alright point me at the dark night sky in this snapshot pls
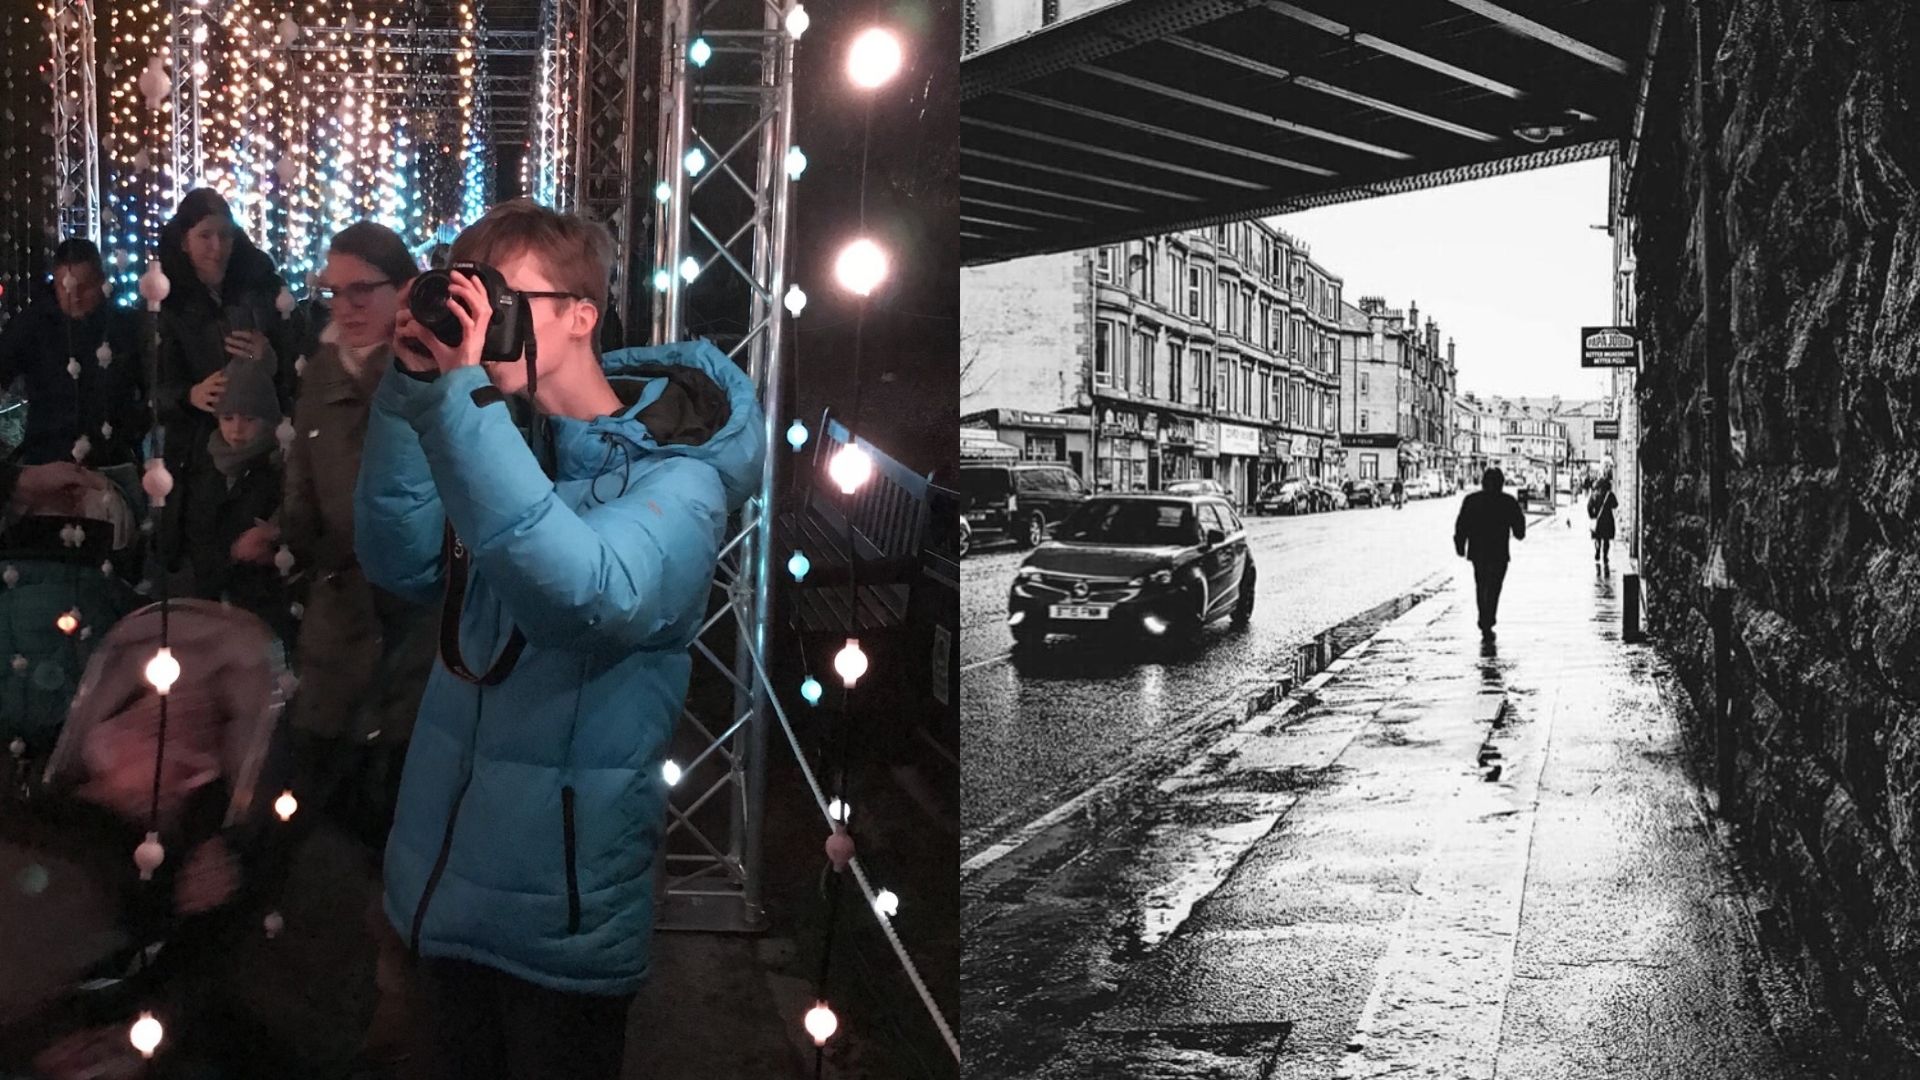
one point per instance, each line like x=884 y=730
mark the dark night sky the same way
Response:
x=909 y=351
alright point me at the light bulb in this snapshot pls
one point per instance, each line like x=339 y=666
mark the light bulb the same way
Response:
x=671 y=771
x=68 y=622
x=850 y=662
x=861 y=267
x=149 y=855
x=662 y=191
x=797 y=21
x=689 y=269
x=662 y=280
x=700 y=52
x=798 y=566
x=886 y=903
x=163 y=670
x=796 y=300
x=811 y=690
x=874 y=58
x=796 y=434
x=850 y=468
x=695 y=161
x=821 y=1023
x=147 y=1033
x=796 y=162
x=839 y=811
x=286 y=806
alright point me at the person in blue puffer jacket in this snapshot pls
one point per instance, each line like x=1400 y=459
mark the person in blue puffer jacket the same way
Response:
x=520 y=869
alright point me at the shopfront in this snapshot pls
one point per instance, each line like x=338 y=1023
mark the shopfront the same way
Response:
x=1240 y=461
x=1034 y=436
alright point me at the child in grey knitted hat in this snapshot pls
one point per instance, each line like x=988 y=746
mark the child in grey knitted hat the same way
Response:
x=237 y=491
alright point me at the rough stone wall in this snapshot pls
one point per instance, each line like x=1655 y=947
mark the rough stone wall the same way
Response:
x=1814 y=127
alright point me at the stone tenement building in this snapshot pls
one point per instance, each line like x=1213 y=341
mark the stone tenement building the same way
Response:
x=1211 y=354
x=1397 y=394
x=1778 y=463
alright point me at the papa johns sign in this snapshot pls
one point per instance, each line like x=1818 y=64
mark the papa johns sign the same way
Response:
x=1609 y=347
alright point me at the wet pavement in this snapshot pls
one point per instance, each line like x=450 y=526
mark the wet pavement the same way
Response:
x=1046 y=729
x=1439 y=858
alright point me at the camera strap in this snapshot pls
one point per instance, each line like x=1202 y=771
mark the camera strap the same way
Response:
x=458 y=560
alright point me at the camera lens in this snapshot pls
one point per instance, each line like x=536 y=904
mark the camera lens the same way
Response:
x=429 y=302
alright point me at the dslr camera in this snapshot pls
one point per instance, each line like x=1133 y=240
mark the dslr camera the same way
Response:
x=430 y=302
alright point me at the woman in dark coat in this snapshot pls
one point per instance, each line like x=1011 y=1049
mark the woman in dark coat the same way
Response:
x=222 y=305
x=364 y=653
x=1600 y=507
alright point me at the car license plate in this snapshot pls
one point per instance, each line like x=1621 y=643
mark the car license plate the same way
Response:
x=976 y=515
x=1079 y=611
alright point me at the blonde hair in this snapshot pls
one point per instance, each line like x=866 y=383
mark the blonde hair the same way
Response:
x=576 y=251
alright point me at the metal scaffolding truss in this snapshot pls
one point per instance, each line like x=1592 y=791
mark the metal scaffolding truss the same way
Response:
x=608 y=152
x=738 y=110
x=187 y=36
x=554 y=119
x=76 y=119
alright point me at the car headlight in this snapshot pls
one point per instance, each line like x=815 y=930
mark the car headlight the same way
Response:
x=1161 y=577
x=1026 y=573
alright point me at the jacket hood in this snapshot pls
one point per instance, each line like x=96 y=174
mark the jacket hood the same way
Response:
x=686 y=398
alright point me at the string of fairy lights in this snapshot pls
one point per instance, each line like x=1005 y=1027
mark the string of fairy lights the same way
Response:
x=308 y=114
x=874 y=57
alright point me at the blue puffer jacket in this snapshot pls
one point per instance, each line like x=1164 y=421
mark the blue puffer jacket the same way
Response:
x=531 y=812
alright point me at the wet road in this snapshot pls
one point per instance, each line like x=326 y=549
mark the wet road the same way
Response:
x=1443 y=859
x=1041 y=732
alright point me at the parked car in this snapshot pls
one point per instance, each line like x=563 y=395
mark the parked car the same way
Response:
x=1018 y=501
x=1162 y=565
x=1285 y=497
x=1419 y=488
x=1201 y=487
x=1361 y=493
x=1332 y=496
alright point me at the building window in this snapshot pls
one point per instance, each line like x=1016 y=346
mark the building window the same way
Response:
x=1363 y=421
x=1369 y=463
x=1150 y=259
x=1202 y=361
x=1106 y=264
x=1223 y=389
x=1248 y=328
x=1174 y=374
x=1223 y=306
x=1194 y=284
x=1046 y=448
x=1103 y=354
x=1143 y=351
x=1273 y=398
x=1366 y=385
x=1246 y=388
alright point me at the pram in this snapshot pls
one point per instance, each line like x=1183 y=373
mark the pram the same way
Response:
x=65 y=568
x=109 y=944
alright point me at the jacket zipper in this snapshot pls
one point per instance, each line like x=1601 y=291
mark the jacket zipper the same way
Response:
x=446 y=842
x=573 y=875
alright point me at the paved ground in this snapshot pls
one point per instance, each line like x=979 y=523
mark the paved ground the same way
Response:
x=1035 y=734
x=1443 y=860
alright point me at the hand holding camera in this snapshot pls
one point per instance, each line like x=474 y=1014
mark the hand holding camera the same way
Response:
x=458 y=317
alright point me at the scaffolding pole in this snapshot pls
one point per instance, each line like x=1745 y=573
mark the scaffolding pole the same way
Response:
x=76 y=120
x=737 y=110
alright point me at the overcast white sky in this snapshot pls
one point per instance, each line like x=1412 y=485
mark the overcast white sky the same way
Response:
x=1508 y=267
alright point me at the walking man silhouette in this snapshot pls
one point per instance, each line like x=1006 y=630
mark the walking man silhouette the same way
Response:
x=1480 y=534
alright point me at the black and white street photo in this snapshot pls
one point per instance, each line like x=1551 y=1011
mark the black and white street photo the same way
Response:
x=1438 y=539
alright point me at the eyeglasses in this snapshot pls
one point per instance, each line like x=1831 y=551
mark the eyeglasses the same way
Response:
x=550 y=295
x=356 y=294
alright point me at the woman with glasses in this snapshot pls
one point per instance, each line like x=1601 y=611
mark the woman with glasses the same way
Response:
x=364 y=653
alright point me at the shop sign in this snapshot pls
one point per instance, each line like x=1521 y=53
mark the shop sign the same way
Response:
x=1239 y=440
x=1206 y=438
x=1606 y=429
x=1609 y=347
x=1312 y=449
x=1372 y=440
